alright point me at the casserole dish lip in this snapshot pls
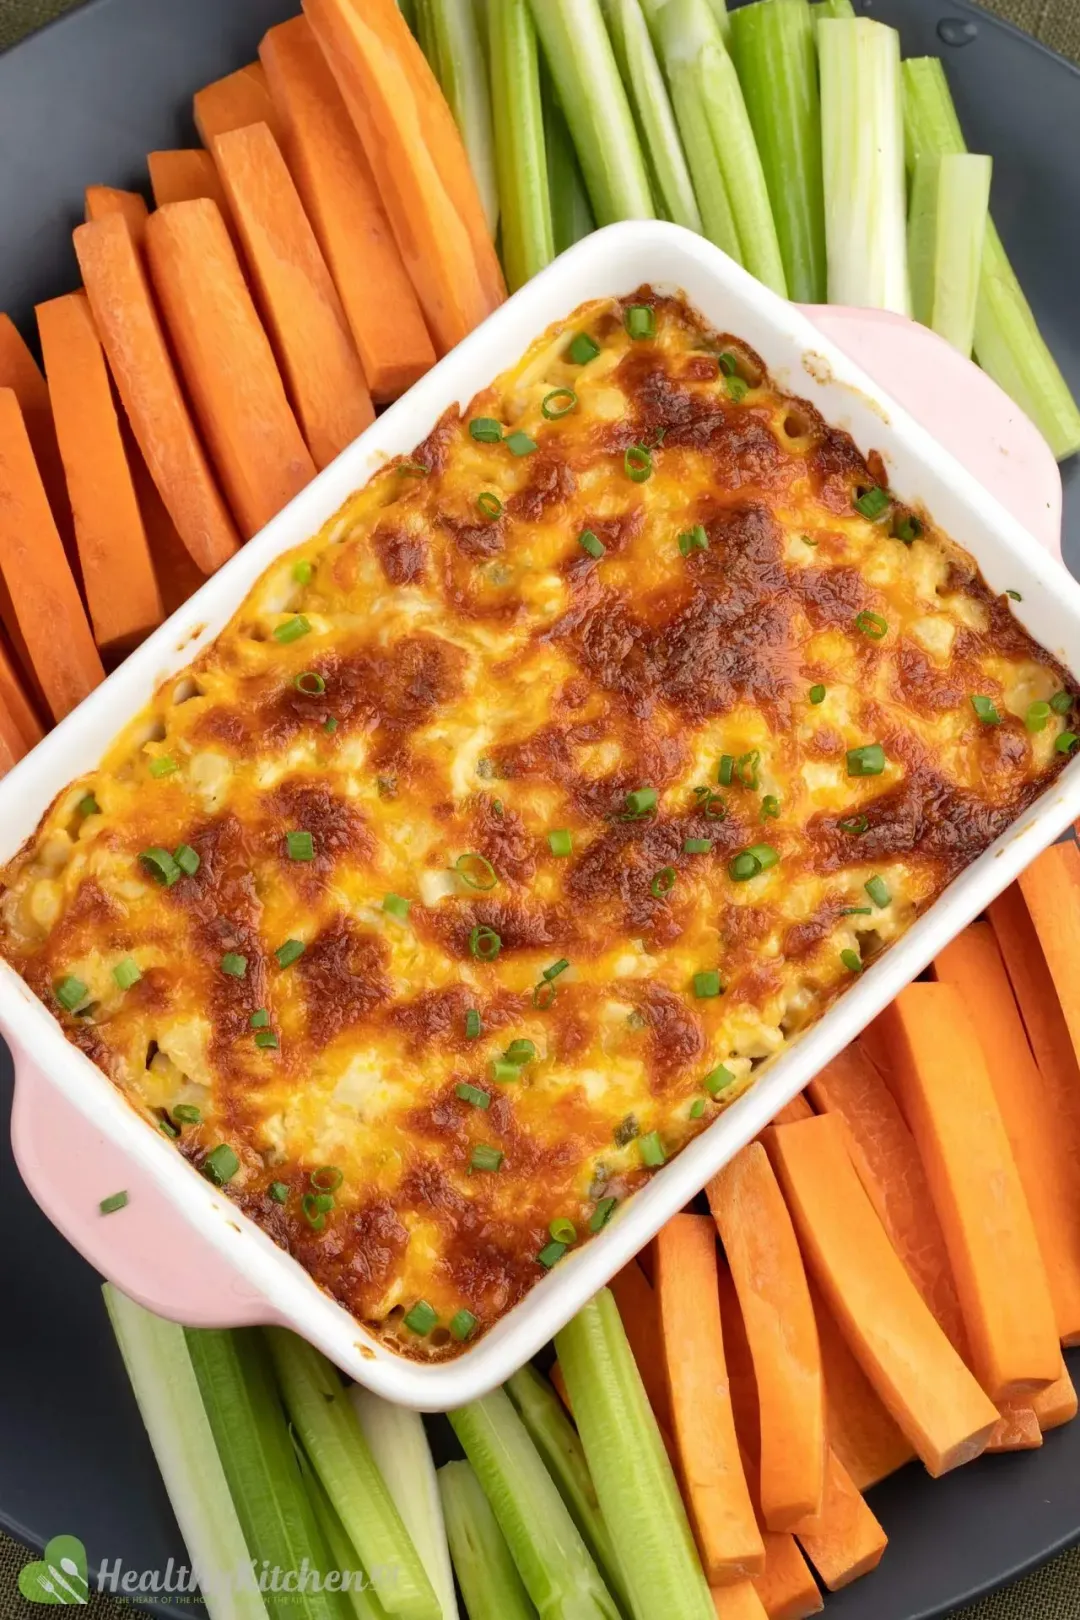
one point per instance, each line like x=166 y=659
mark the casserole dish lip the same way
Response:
x=611 y=262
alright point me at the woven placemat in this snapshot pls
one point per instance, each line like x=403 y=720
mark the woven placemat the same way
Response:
x=1052 y=1593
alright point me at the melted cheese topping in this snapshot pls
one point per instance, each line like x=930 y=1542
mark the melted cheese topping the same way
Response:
x=467 y=679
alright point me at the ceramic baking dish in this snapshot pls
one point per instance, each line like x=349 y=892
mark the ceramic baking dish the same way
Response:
x=805 y=362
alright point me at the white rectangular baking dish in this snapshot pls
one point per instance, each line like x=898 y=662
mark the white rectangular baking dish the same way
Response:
x=613 y=261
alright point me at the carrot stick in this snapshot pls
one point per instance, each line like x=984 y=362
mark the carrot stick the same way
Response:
x=296 y=294
x=142 y=369
x=341 y=199
x=43 y=599
x=239 y=99
x=1056 y=1404
x=102 y=200
x=1051 y=891
x=845 y=1541
x=118 y=576
x=369 y=57
x=20 y=372
x=22 y=715
x=940 y=1071
x=176 y=573
x=738 y=1601
x=714 y=1484
x=763 y=1254
x=227 y=362
x=798 y=1108
x=1040 y=1104
x=640 y=1313
x=184 y=175
x=859 y=1429
x=787 y=1589
x=914 y=1369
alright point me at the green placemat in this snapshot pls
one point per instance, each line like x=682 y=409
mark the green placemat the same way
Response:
x=1052 y=1593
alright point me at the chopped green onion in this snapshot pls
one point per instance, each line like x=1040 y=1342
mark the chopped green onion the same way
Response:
x=473 y=1095
x=1066 y=742
x=637 y=464
x=726 y=769
x=563 y=1231
x=728 y=364
x=560 y=841
x=857 y=911
x=188 y=1114
x=589 y=542
x=852 y=961
x=1061 y=702
x=625 y=1131
x=1015 y=595
x=167 y=1128
x=697 y=846
x=1037 y=716
x=856 y=825
x=908 y=529
x=463 y=1325
x=115 y=1201
x=260 y=1018
x=986 y=711
x=806 y=540
x=303 y=571
x=718 y=1080
x=662 y=882
x=161 y=865
x=550 y=1255
x=770 y=807
x=313 y=1213
x=327 y=1178
x=484 y=943
x=490 y=505
x=603 y=1212
x=583 y=349
x=560 y=402
x=266 y=1038
x=279 y=1192
x=127 y=973
x=697 y=1108
x=415 y=469
x=163 y=766
x=310 y=682
x=817 y=694
x=485 y=1158
x=737 y=388
x=707 y=985
x=234 y=964
x=220 y=1164
x=746 y=769
x=694 y=539
x=878 y=891
x=652 y=1149
x=88 y=806
x=292 y=629
x=555 y=969
x=70 y=992
x=422 y=1318
x=872 y=503
x=866 y=761
x=872 y=625
x=485 y=430
x=290 y=952
x=301 y=846
x=330 y=724
x=504 y=1070
x=476 y=870
x=743 y=867
x=472 y=1024
x=520 y=444
x=396 y=906
x=711 y=803
x=187 y=859
x=521 y=1051
x=641 y=321
x=543 y=995
x=642 y=802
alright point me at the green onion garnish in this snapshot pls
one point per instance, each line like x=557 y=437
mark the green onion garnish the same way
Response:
x=187 y=859
x=422 y=1318
x=1037 y=716
x=484 y=943
x=330 y=724
x=563 y=1230
x=259 y=1019
x=463 y=1325
x=550 y=1255
x=856 y=825
x=110 y=1205
x=746 y=769
x=872 y=503
x=279 y=1192
x=603 y=1212
x=290 y=952
x=519 y=444
x=817 y=694
x=311 y=683
x=220 y=1164
x=327 y=1178
x=711 y=803
x=163 y=766
x=986 y=711
x=652 y=1149
x=641 y=321
x=642 y=802
x=729 y=365
x=752 y=861
x=316 y=1207
x=707 y=985
x=872 y=625
x=726 y=769
x=806 y=540
x=505 y=1070
x=637 y=464
x=415 y=469
x=1015 y=595
x=560 y=402
x=472 y=1024
x=662 y=882
x=718 y=1080
x=852 y=961
x=555 y=969
x=473 y=1095
x=267 y=1039
x=1061 y=702
x=878 y=891
x=88 y=806
x=588 y=542
x=521 y=1051
x=126 y=973
x=396 y=906
x=583 y=349
x=476 y=870
x=187 y=1114
x=737 y=388
x=770 y=807
x=694 y=539
x=697 y=846
x=301 y=846
x=866 y=761
x=857 y=911
x=543 y=995
x=908 y=529
x=490 y=505
x=234 y=965
x=70 y=991
x=167 y=1128
x=1066 y=742
x=697 y=1108
x=161 y=865
x=303 y=571
x=485 y=430
x=560 y=842
x=292 y=629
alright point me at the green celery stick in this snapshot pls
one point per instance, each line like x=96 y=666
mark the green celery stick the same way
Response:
x=720 y=12
x=557 y=1441
x=718 y=135
x=486 y=1572
x=450 y=38
x=571 y=212
x=528 y=238
x=863 y=162
x=330 y=1435
x=1008 y=343
x=158 y=1364
x=657 y=126
x=950 y=205
x=832 y=8
x=774 y=50
x=408 y=11
x=552 y=1559
x=591 y=95
x=359 y=1593
x=634 y=1483
x=241 y=1402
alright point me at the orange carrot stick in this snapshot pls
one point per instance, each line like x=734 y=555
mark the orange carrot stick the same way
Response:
x=763 y=1254
x=1039 y=1104
x=914 y=1369
x=939 y=1070
x=43 y=599
x=227 y=362
x=798 y=1108
x=21 y=713
x=714 y=1484
x=859 y=1429
x=239 y=99
x=342 y=202
x=142 y=369
x=118 y=576
x=370 y=57
x=184 y=175
x=845 y=1541
x=738 y=1601
x=787 y=1589
x=1057 y=1403
x=295 y=291
x=640 y=1314
x=102 y=200
x=20 y=372
x=175 y=571
x=1051 y=891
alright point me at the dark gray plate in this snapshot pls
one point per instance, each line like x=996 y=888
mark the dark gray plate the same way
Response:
x=82 y=103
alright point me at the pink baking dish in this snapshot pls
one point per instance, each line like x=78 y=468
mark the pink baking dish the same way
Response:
x=978 y=465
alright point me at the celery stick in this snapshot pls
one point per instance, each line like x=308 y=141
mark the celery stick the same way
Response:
x=241 y=1403
x=950 y=204
x=403 y=1457
x=552 y=1559
x=634 y=1483
x=357 y=1589
x=1008 y=343
x=653 y=112
x=571 y=213
x=450 y=37
x=557 y=1441
x=487 y=1575
x=863 y=149
x=528 y=238
x=408 y=11
x=591 y=95
x=331 y=1437
x=158 y=1364
x=720 y=12
x=832 y=8
x=773 y=47
x=708 y=99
